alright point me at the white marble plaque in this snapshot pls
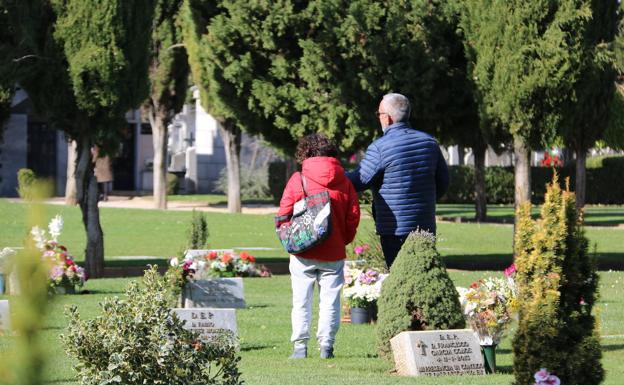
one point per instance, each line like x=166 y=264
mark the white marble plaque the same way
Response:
x=437 y=353
x=208 y=322
x=5 y=317
x=225 y=293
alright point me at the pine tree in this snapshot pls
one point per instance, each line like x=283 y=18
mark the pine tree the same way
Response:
x=418 y=294
x=557 y=284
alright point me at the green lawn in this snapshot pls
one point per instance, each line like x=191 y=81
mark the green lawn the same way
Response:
x=264 y=329
x=595 y=215
x=136 y=232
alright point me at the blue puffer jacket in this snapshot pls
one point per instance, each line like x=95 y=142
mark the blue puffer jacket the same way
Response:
x=406 y=172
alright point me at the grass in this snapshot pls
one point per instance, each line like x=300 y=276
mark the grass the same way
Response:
x=264 y=329
x=139 y=232
x=595 y=215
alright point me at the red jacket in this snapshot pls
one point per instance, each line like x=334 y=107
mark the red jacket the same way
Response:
x=326 y=174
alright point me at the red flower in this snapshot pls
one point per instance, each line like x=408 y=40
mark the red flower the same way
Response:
x=252 y=259
x=244 y=255
x=69 y=262
x=63 y=248
x=226 y=258
x=474 y=285
x=212 y=255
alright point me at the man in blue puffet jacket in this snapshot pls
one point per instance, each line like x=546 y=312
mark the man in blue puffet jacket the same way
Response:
x=406 y=173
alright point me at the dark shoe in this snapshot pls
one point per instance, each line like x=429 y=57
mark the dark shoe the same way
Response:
x=327 y=352
x=299 y=352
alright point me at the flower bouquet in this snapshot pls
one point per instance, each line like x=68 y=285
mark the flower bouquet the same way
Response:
x=361 y=290
x=216 y=264
x=63 y=274
x=489 y=306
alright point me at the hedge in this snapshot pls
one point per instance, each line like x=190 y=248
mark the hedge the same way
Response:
x=601 y=189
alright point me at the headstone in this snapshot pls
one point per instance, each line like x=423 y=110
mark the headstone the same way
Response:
x=208 y=322
x=437 y=353
x=5 y=317
x=216 y=293
x=203 y=252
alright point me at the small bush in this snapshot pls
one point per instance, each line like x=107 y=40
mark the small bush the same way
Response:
x=26 y=179
x=253 y=183
x=418 y=294
x=198 y=231
x=138 y=341
x=557 y=289
x=173 y=184
x=277 y=180
x=499 y=181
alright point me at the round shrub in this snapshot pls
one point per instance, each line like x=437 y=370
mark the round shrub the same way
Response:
x=138 y=340
x=418 y=294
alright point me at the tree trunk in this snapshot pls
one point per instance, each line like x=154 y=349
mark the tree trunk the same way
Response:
x=581 y=178
x=231 y=135
x=522 y=173
x=461 y=152
x=522 y=179
x=70 y=183
x=159 y=122
x=480 y=191
x=87 y=196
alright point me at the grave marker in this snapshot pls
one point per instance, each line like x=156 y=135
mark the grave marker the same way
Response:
x=208 y=322
x=437 y=353
x=223 y=293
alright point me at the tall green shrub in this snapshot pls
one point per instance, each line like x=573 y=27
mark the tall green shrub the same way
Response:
x=137 y=340
x=198 y=231
x=557 y=284
x=418 y=294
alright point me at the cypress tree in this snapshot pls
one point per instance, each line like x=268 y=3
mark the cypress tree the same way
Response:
x=587 y=114
x=526 y=59
x=418 y=294
x=557 y=289
x=83 y=66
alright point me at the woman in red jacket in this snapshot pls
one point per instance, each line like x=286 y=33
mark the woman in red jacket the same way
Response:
x=323 y=263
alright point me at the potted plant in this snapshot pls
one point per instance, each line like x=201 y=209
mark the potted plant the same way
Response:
x=361 y=291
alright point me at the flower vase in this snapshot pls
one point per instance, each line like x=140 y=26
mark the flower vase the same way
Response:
x=489 y=358
x=360 y=315
x=65 y=289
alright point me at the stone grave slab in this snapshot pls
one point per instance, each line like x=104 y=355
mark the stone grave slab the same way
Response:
x=5 y=317
x=437 y=353
x=220 y=293
x=208 y=322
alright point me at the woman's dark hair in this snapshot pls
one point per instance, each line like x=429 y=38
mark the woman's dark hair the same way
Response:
x=315 y=145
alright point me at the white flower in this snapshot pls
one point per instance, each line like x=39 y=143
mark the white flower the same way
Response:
x=174 y=261
x=55 y=227
x=38 y=236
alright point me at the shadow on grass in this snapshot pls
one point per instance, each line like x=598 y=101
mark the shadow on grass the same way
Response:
x=252 y=347
x=610 y=348
x=606 y=261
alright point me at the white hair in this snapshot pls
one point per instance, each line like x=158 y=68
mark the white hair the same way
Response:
x=397 y=106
